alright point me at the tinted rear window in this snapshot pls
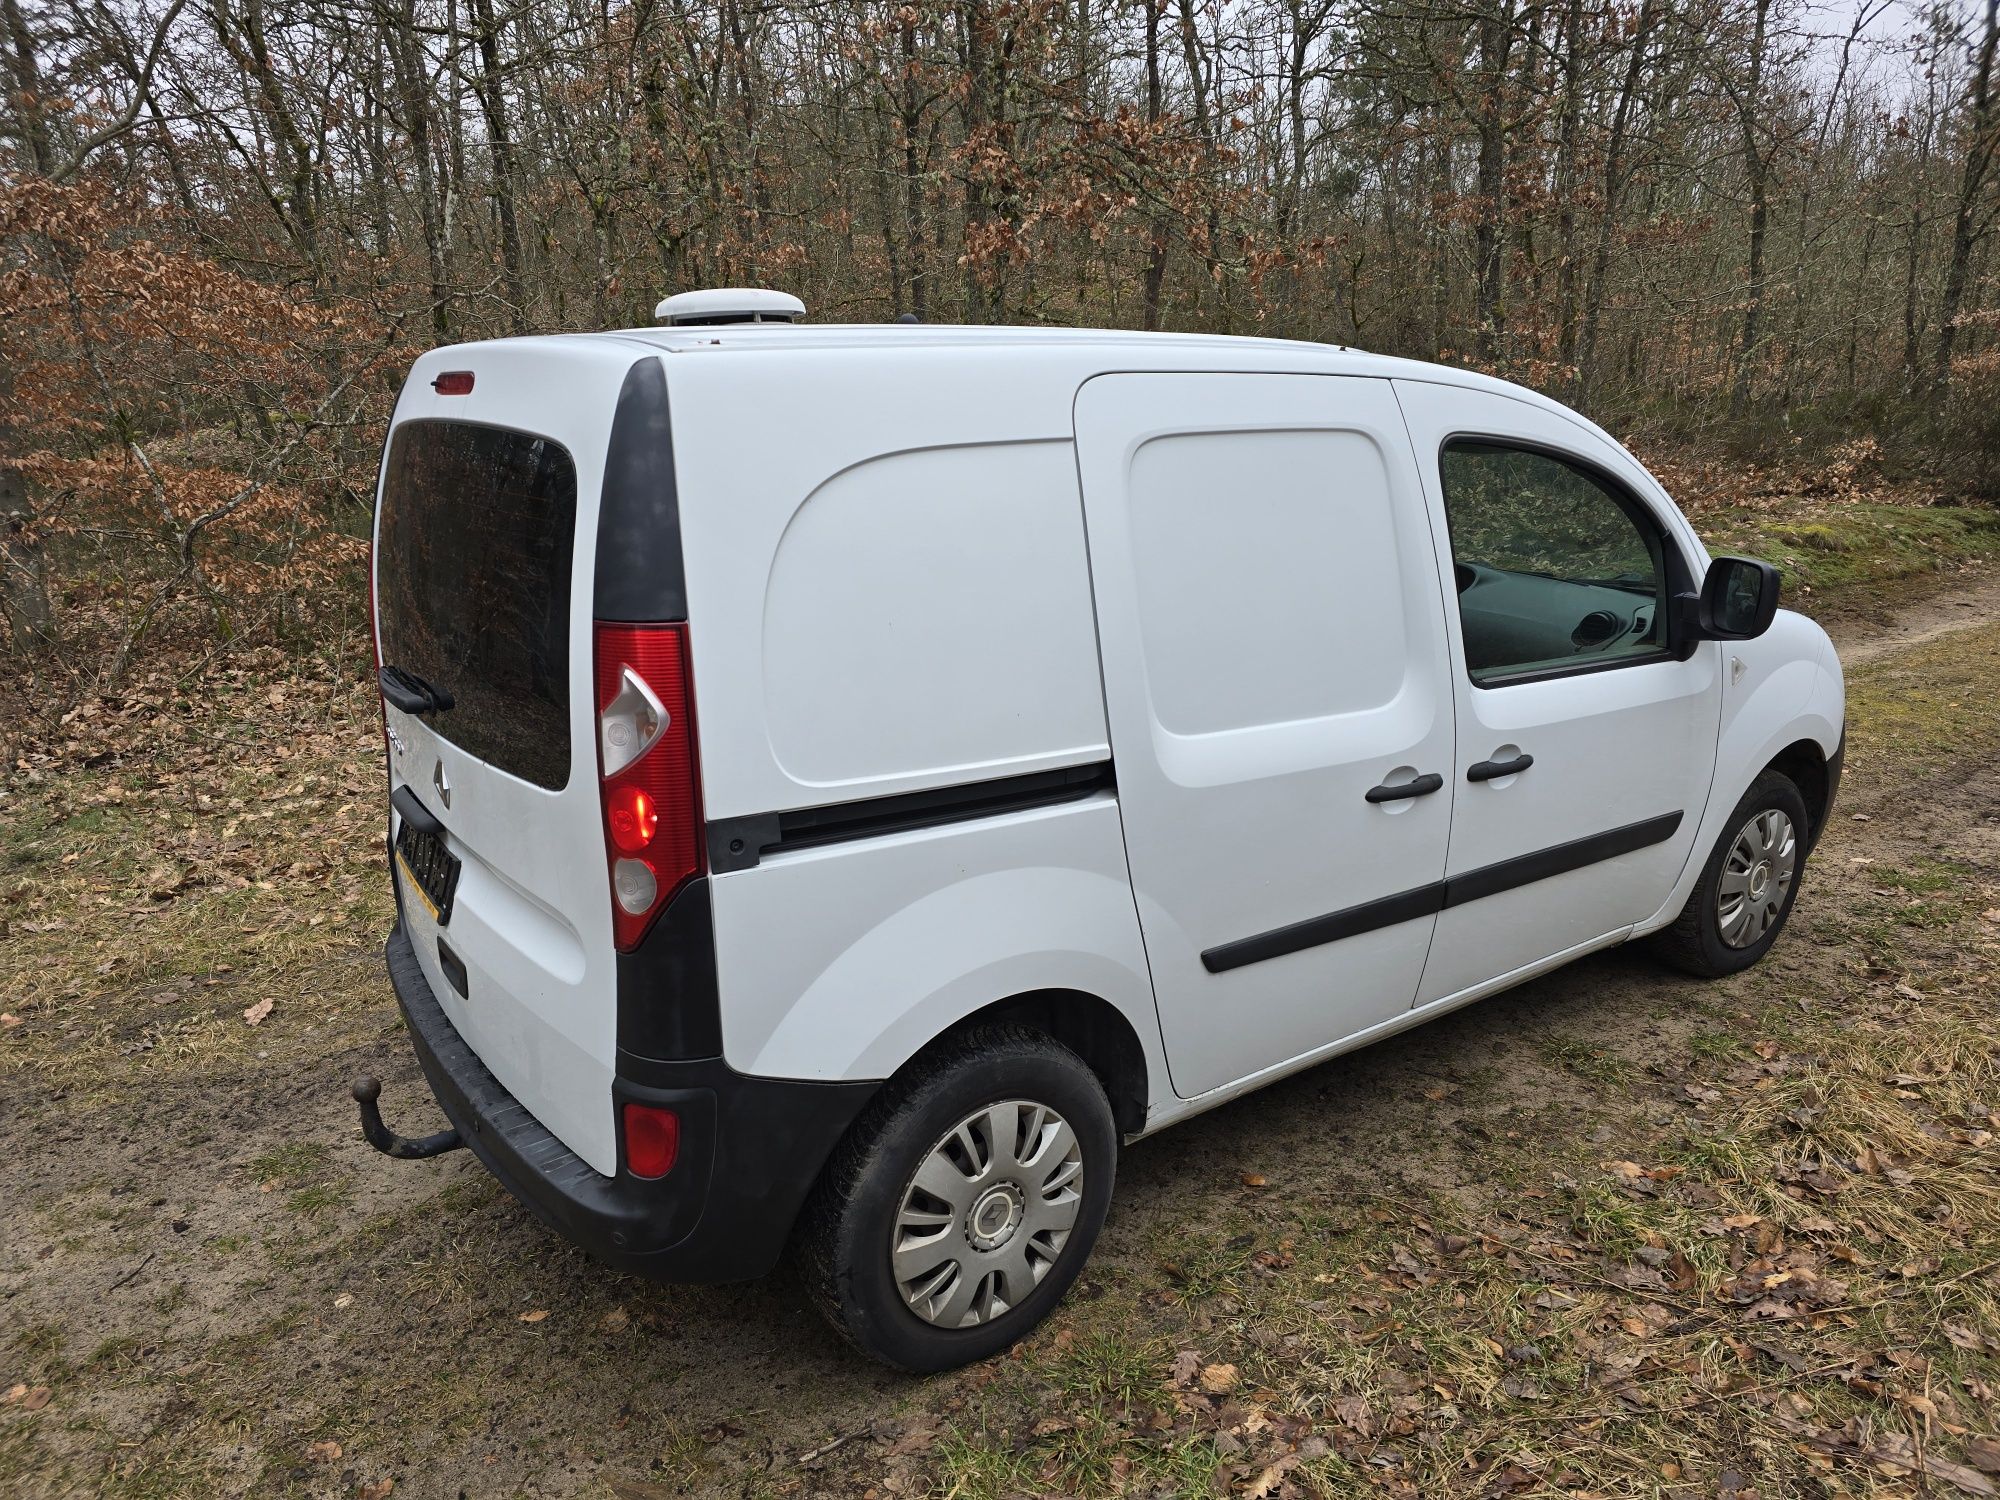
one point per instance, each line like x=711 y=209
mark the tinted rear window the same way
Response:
x=472 y=586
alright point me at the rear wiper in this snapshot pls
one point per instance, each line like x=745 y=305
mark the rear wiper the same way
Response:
x=409 y=692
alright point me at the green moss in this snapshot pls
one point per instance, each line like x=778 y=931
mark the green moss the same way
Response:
x=1851 y=548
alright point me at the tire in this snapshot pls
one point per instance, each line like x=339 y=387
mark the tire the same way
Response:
x=1733 y=915
x=1013 y=1263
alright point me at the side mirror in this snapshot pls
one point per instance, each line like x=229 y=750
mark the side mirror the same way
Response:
x=1738 y=600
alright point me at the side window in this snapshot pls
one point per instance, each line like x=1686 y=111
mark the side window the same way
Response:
x=1556 y=571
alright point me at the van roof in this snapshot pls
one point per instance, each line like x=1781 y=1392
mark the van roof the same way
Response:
x=1071 y=348
x=935 y=336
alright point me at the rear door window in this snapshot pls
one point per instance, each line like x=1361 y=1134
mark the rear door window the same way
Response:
x=473 y=550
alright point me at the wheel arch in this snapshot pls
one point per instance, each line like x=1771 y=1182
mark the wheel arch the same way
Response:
x=1805 y=763
x=1090 y=1026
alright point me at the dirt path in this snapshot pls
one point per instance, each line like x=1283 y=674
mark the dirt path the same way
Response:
x=224 y=1292
x=1925 y=618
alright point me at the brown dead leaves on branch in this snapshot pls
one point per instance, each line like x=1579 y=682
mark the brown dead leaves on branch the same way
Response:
x=177 y=424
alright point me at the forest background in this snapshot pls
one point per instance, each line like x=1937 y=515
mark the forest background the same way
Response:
x=1754 y=237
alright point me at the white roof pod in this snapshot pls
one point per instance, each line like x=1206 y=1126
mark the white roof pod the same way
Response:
x=729 y=304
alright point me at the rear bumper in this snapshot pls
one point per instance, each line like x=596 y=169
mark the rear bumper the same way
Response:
x=750 y=1149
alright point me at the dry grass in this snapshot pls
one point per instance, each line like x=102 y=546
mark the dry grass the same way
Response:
x=1619 y=1234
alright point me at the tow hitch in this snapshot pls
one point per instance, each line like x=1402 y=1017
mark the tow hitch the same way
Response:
x=366 y=1090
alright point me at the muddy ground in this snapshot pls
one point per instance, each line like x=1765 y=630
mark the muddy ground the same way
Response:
x=1617 y=1232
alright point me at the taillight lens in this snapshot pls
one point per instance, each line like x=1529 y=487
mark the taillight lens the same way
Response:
x=652 y=1140
x=645 y=746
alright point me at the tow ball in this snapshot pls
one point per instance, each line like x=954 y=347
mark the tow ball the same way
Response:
x=366 y=1090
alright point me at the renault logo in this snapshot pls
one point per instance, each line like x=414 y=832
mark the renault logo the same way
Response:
x=443 y=784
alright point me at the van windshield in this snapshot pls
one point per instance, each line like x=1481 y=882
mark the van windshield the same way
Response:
x=472 y=573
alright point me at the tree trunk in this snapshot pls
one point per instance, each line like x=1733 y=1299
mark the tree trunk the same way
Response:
x=1983 y=138
x=1614 y=191
x=1488 y=235
x=911 y=120
x=1757 y=166
x=493 y=106
x=408 y=65
x=1156 y=229
x=24 y=587
x=1567 y=184
x=26 y=103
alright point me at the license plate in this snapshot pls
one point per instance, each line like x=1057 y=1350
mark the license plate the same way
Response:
x=432 y=869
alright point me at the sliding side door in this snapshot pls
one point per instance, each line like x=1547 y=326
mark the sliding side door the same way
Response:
x=1277 y=681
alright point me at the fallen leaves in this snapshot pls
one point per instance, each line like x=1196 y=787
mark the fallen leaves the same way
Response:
x=27 y=1397
x=1219 y=1379
x=256 y=1013
x=324 y=1451
x=379 y=1490
x=536 y=1316
x=1890 y=1452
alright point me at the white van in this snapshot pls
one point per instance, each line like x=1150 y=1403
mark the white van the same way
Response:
x=847 y=780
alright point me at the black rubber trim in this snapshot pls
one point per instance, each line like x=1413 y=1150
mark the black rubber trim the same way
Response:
x=641 y=577
x=669 y=1005
x=1835 y=764
x=1424 y=901
x=739 y=843
x=750 y=1150
x=1429 y=900
x=1526 y=869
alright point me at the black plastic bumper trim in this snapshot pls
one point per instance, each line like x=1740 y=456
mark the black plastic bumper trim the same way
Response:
x=1835 y=764
x=750 y=1150
x=1429 y=900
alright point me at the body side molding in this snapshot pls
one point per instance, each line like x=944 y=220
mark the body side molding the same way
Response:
x=1429 y=900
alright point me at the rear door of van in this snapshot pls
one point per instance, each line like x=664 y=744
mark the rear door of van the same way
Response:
x=1276 y=675
x=483 y=569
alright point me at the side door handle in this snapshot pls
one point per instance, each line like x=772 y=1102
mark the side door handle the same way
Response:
x=1423 y=786
x=1492 y=770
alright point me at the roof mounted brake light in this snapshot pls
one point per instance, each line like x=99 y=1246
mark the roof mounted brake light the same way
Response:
x=453 y=383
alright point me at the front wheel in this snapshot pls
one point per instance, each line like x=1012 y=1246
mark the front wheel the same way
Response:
x=1746 y=890
x=964 y=1202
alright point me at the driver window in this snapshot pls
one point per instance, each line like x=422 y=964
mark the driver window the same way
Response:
x=1555 y=572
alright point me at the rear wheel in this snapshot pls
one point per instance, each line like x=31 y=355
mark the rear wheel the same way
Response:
x=1746 y=890
x=964 y=1202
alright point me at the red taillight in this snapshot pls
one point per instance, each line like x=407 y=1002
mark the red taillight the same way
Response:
x=646 y=757
x=453 y=383
x=652 y=1140
x=632 y=818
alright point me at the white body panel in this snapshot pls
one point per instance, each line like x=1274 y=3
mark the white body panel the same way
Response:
x=888 y=941
x=918 y=558
x=893 y=598
x=1273 y=647
x=1783 y=687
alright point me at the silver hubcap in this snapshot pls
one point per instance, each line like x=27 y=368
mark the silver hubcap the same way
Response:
x=987 y=1213
x=1756 y=877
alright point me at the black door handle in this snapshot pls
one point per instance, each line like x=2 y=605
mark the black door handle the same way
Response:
x=1423 y=786
x=1490 y=770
